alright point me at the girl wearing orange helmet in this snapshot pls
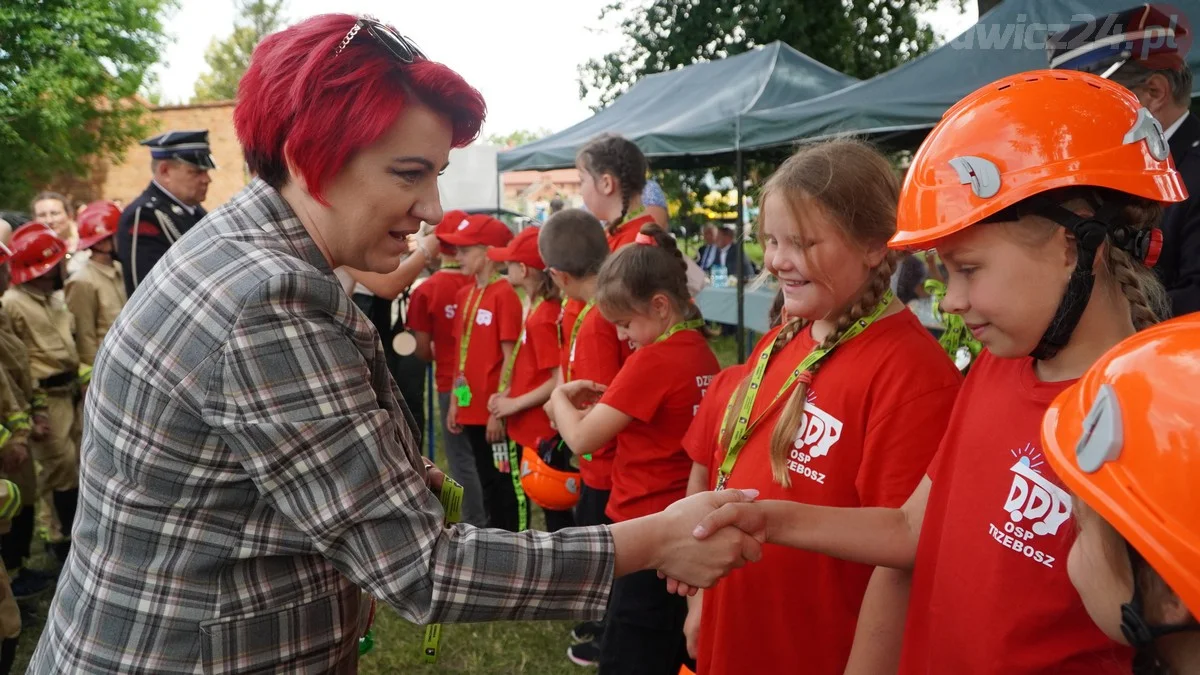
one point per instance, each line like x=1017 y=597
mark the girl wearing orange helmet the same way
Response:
x=1124 y=440
x=1040 y=192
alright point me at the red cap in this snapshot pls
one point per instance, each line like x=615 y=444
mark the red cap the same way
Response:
x=523 y=249
x=449 y=224
x=97 y=223
x=478 y=230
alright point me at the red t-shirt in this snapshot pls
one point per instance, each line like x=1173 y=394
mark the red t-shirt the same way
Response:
x=597 y=355
x=497 y=320
x=700 y=442
x=875 y=413
x=536 y=361
x=990 y=592
x=431 y=310
x=660 y=387
x=628 y=231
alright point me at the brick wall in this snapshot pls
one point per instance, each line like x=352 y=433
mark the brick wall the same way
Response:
x=127 y=180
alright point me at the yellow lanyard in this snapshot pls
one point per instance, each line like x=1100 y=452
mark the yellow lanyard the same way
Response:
x=743 y=426
x=469 y=318
x=682 y=325
x=506 y=374
x=574 y=334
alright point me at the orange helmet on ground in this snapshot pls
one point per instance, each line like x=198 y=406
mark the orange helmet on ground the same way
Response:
x=546 y=486
x=35 y=251
x=97 y=222
x=1126 y=440
x=1026 y=134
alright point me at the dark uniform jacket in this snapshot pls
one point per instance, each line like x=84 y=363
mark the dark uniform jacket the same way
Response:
x=1179 y=265
x=148 y=227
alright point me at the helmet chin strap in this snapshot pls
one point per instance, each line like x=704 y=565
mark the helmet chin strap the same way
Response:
x=1137 y=631
x=1090 y=232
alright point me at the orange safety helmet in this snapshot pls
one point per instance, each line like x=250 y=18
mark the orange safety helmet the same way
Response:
x=1026 y=134
x=97 y=222
x=546 y=486
x=35 y=251
x=1126 y=440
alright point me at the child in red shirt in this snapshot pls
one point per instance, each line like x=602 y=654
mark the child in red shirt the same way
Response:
x=1124 y=441
x=612 y=175
x=844 y=405
x=430 y=317
x=531 y=372
x=1047 y=241
x=642 y=290
x=486 y=327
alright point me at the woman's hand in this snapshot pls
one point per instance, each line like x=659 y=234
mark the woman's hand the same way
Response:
x=700 y=563
x=747 y=517
x=582 y=394
x=495 y=430
x=434 y=477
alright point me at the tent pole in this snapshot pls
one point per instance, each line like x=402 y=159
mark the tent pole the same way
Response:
x=740 y=253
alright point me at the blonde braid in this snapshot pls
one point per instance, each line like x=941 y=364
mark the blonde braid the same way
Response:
x=785 y=335
x=783 y=439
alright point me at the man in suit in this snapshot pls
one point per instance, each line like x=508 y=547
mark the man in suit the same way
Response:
x=730 y=257
x=1144 y=49
x=707 y=257
x=169 y=206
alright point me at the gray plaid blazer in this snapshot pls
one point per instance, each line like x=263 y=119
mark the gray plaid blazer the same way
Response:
x=246 y=469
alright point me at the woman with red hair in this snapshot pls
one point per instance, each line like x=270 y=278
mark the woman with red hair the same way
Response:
x=248 y=464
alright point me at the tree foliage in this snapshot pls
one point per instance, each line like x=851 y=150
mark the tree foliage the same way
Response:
x=518 y=137
x=69 y=70
x=228 y=59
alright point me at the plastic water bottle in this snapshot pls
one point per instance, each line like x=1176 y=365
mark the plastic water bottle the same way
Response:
x=720 y=276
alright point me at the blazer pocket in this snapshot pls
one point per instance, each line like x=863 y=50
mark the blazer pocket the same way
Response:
x=305 y=638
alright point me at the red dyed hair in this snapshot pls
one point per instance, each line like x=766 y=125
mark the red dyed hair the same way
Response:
x=324 y=109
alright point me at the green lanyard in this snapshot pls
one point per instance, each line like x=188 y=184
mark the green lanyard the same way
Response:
x=451 y=497
x=506 y=374
x=574 y=334
x=462 y=391
x=743 y=426
x=450 y=265
x=682 y=325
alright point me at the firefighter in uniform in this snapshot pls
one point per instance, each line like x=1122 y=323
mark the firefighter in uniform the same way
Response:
x=23 y=418
x=41 y=319
x=96 y=293
x=1144 y=48
x=170 y=205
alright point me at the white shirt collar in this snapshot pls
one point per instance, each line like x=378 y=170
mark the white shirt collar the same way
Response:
x=190 y=209
x=1170 y=131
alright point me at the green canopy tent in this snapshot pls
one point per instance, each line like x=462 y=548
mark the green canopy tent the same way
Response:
x=900 y=106
x=692 y=116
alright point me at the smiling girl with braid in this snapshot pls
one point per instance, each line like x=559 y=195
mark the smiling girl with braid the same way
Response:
x=842 y=405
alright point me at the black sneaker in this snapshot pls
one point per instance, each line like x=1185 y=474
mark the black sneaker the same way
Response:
x=25 y=587
x=586 y=654
x=587 y=631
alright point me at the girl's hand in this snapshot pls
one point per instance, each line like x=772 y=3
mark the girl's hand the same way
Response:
x=503 y=406
x=582 y=394
x=495 y=430
x=691 y=625
x=452 y=424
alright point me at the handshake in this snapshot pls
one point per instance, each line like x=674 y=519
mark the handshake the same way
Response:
x=693 y=543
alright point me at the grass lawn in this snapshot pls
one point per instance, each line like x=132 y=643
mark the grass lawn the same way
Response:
x=532 y=647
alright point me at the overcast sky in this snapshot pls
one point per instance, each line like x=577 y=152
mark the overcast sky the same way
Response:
x=522 y=54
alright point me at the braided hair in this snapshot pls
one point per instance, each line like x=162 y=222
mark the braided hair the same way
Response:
x=857 y=189
x=632 y=276
x=619 y=157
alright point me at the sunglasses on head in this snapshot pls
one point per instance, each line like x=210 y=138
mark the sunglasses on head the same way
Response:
x=400 y=47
